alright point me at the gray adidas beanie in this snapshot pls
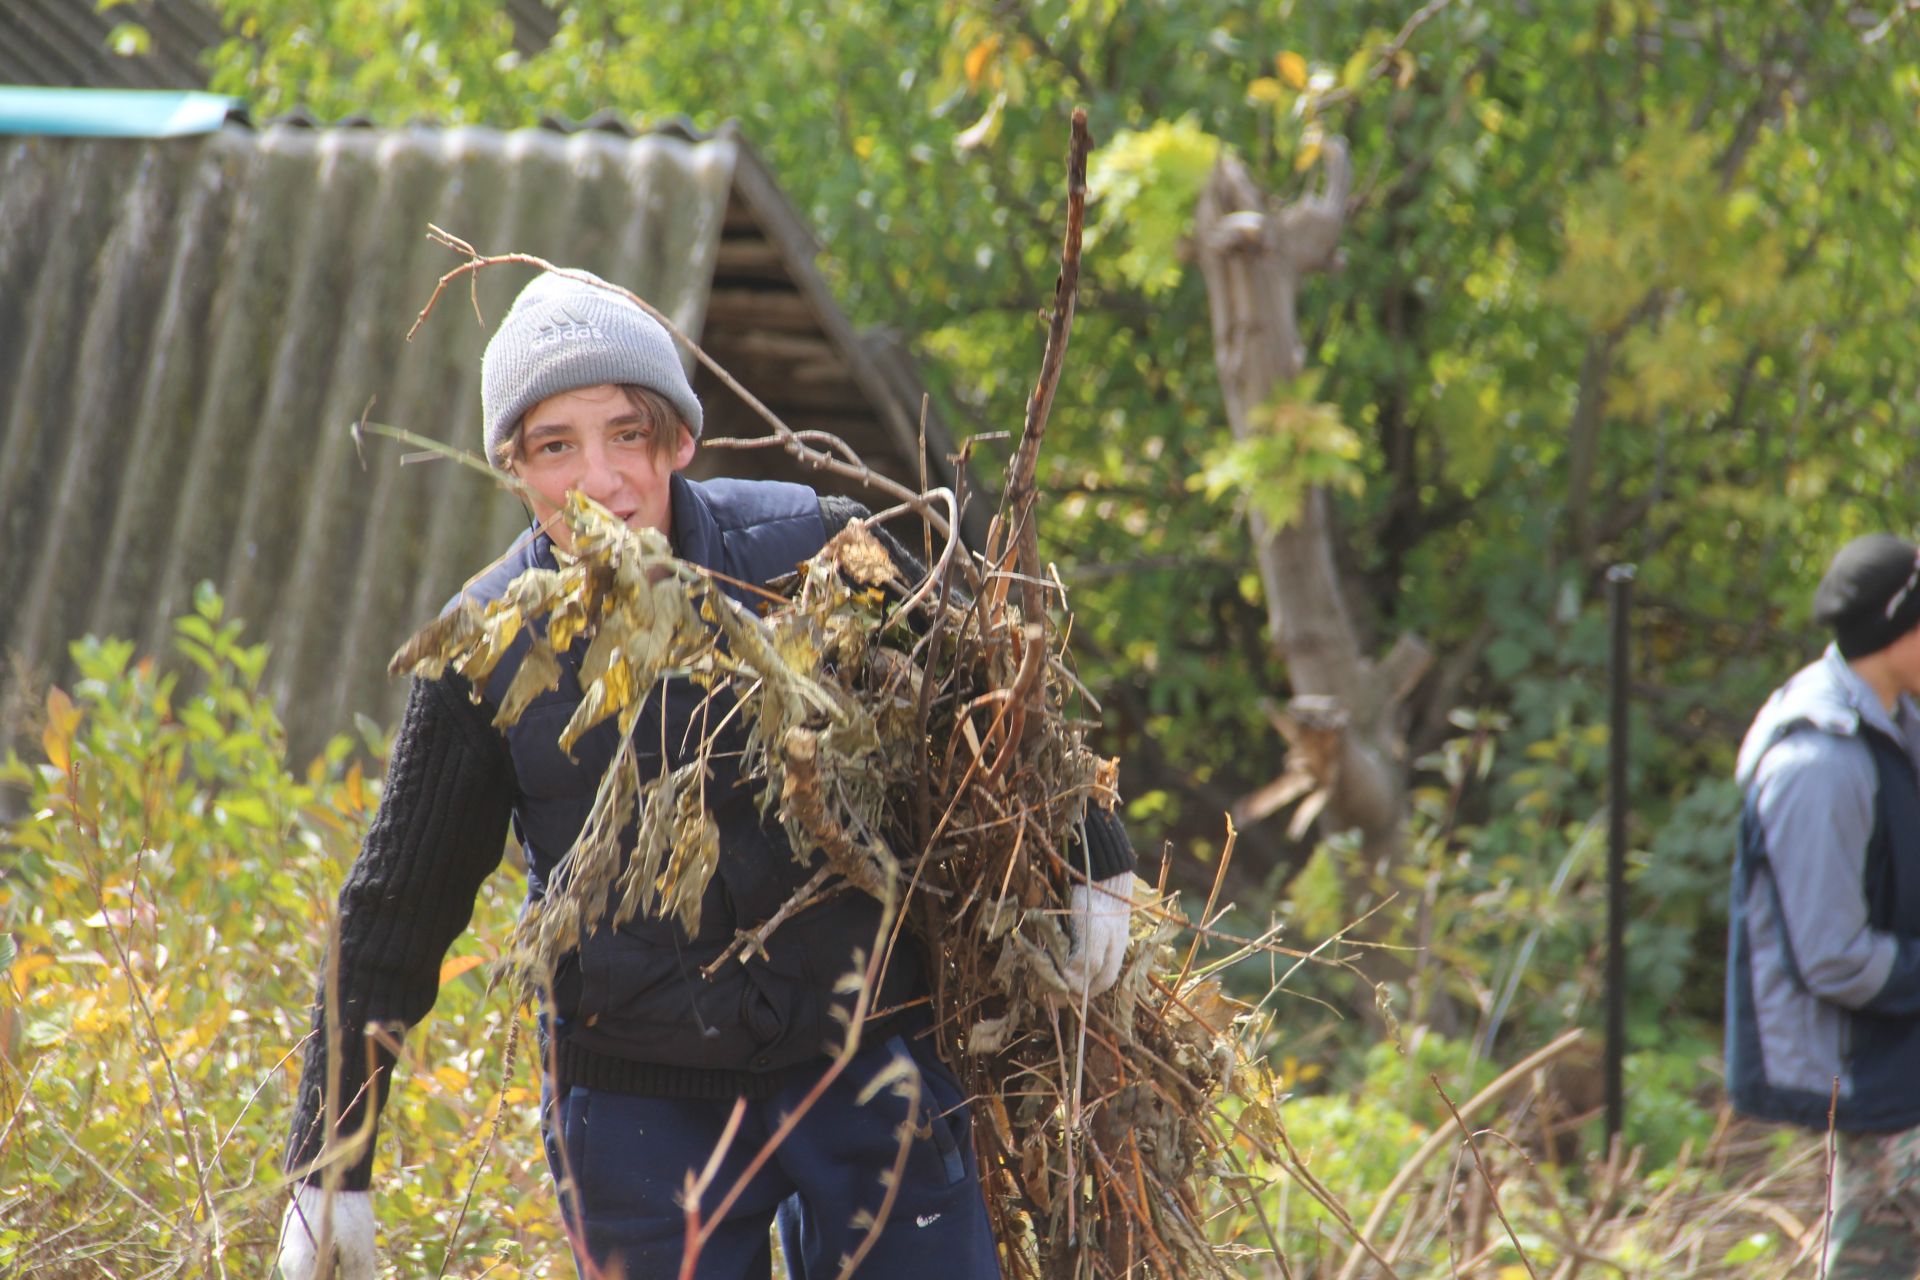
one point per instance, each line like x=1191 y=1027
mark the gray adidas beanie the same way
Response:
x=563 y=334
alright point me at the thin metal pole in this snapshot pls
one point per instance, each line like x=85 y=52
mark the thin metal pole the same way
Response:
x=1619 y=599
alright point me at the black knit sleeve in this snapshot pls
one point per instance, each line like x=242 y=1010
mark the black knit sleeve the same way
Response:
x=440 y=830
x=1108 y=850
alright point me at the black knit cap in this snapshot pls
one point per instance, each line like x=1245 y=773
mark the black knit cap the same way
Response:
x=1870 y=595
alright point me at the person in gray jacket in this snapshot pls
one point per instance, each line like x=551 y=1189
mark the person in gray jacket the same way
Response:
x=1823 y=973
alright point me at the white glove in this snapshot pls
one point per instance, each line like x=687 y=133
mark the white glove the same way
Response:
x=305 y=1224
x=1097 y=922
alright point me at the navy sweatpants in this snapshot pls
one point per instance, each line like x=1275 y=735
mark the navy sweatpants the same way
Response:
x=629 y=1159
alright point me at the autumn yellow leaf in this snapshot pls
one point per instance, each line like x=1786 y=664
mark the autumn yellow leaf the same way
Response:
x=25 y=967
x=95 y=1018
x=1292 y=68
x=978 y=57
x=195 y=1036
x=457 y=966
x=1266 y=89
x=62 y=718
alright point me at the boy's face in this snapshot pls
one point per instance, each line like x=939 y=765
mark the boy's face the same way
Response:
x=595 y=441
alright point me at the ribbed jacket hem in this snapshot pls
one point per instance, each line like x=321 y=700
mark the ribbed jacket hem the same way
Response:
x=587 y=1069
x=590 y=1070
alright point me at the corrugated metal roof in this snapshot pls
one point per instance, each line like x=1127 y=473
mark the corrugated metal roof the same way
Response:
x=187 y=328
x=64 y=42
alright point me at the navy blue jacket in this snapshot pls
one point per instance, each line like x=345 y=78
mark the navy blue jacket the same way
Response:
x=633 y=1011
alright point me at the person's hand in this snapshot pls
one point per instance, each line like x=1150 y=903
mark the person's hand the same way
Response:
x=305 y=1224
x=1097 y=923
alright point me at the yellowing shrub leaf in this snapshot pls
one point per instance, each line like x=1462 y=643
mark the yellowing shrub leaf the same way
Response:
x=457 y=966
x=979 y=56
x=62 y=718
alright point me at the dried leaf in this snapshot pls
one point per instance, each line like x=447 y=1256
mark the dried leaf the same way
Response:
x=539 y=672
x=427 y=651
x=860 y=555
x=989 y=1035
x=567 y=622
x=535 y=591
x=497 y=632
x=1208 y=1009
x=611 y=693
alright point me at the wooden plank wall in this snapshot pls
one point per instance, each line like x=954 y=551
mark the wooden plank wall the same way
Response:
x=767 y=334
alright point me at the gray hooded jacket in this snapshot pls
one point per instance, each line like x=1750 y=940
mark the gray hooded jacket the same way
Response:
x=1823 y=978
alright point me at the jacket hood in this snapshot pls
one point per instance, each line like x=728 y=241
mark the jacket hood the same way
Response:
x=1824 y=695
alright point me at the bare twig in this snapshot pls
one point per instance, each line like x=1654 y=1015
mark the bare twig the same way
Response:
x=1833 y=1160
x=137 y=989
x=1019 y=530
x=1383 y=58
x=19 y=1104
x=1315 y=1188
x=1213 y=896
x=697 y=1230
x=493 y=1133
x=1487 y=1178
x=750 y=943
x=1438 y=1138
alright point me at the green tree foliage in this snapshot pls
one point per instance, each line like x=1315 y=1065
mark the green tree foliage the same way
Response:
x=1149 y=180
x=1625 y=280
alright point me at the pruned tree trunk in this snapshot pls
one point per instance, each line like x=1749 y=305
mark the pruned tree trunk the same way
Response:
x=1343 y=724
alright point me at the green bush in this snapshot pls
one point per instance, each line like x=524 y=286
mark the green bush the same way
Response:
x=164 y=902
